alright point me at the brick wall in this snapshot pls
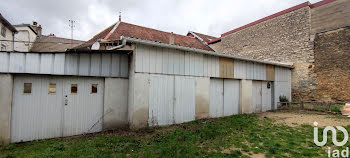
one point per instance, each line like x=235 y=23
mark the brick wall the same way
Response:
x=332 y=65
x=285 y=38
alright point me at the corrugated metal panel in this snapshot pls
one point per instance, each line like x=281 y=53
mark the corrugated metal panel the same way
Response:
x=282 y=74
x=259 y=71
x=240 y=69
x=113 y=65
x=257 y=96
x=211 y=66
x=161 y=100
x=250 y=70
x=185 y=99
x=231 y=97
x=226 y=68
x=32 y=63
x=4 y=61
x=282 y=88
x=42 y=115
x=216 y=108
x=17 y=62
x=270 y=72
x=46 y=63
x=266 y=97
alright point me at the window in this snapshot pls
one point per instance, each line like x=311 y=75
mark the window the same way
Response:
x=3 y=31
x=52 y=88
x=94 y=88
x=74 y=89
x=27 y=88
x=3 y=47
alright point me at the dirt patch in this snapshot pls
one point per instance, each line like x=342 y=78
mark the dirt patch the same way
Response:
x=294 y=119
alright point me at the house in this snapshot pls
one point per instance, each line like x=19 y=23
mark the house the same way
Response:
x=314 y=37
x=130 y=76
x=7 y=35
x=26 y=36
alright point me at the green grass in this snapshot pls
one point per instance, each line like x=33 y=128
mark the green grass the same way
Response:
x=240 y=135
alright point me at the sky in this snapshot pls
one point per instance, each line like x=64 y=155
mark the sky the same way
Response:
x=212 y=17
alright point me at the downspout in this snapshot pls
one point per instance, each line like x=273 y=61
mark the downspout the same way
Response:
x=13 y=41
x=120 y=46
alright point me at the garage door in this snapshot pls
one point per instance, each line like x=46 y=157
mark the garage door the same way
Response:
x=172 y=99
x=55 y=106
x=262 y=96
x=224 y=97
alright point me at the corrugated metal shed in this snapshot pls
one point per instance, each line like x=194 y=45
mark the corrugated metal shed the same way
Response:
x=82 y=64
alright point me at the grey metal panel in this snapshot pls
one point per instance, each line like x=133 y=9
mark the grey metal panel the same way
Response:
x=115 y=65
x=250 y=70
x=106 y=65
x=185 y=99
x=71 y=64
x=240 y=69
x=257 y=96
x=266 y=97
x=159 y=60
x=46 y=65
x=152 y=59
x=84 y=65
x=17 y=62
x=32 y=63
x=166 y=65
x=176 y=61
x=59 y=63
x=124 y=66
x=259 y=71
x=282 y=74
x=161 y=100
x=199 y=65
x=216 y=108
x=95 y=65
x=4 y=61
x=282 y=88
x=231 y=97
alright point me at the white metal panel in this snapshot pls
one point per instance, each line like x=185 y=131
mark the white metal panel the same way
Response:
x=259 y=71
x=17 y=62
x=240 y=69
x=124 y=66
x=266 y=97
x=152 y=59
x=282 y=74
x=36 y=115
x=159 y=60
x=71 y=65
x=231 y=97
x=32 y=63
x=166 y=65
x=161 y=100
x=257 y=96
x=216 y=108
x=4 y=61
x=185 y=99
x=84 y=110
x=282 y=88
x=106 y=64
x=46 y=65
x=95 y=65
x=84 y=65
x=59 y=63
x=250 y=70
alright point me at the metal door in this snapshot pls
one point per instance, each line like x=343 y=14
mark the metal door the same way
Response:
x=266 y=96
x=83 y=105
x=257 y=96
x=231 y=97
x=185 y=99
x=216 y=108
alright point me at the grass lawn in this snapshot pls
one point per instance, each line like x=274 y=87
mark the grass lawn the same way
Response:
x=235 y=136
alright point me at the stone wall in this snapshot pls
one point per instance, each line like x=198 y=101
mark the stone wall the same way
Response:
x=332 y=65
x=285 y=38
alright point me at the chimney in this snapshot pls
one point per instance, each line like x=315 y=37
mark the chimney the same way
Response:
x=38 y=30
x=172 y=38
x=52 y=35
x=120 y=16
x=35 y=23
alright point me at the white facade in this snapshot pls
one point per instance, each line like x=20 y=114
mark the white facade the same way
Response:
x=6 y=40
x=25 y=34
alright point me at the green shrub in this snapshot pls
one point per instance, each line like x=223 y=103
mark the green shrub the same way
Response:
x=284 y=98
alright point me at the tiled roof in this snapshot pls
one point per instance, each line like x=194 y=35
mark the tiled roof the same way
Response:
x=205 y=38
x=53 y=44
x=135 y=31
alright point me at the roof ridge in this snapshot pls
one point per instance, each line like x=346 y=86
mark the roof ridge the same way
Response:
x=59 y=38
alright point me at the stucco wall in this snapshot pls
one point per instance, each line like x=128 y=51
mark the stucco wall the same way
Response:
x=115 y=103
x=6 y=83
x=332 y=66
x=285 y=38
x=9 y=36
x=202 y=97
x=24 y=34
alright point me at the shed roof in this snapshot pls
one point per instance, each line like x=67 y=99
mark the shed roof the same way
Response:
x=119 y=29
x=53 y=44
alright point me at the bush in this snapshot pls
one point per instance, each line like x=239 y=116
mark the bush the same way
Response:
x=283 y=98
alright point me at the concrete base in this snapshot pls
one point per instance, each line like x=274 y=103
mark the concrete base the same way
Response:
x=6 y=83
x=138 y=100
x=115 y=103
x=202 y=97
x=246 y=97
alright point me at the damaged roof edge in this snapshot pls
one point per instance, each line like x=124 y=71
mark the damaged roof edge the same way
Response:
x=164 y=45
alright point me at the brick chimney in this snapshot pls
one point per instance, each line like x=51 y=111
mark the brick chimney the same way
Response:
x=172 y=38
x=37 y=28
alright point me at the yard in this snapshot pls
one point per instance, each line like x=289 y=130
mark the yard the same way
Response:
x=273 y=134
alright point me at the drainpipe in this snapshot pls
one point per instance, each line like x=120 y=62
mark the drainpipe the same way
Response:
x=120 y=46
x=13 y=41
